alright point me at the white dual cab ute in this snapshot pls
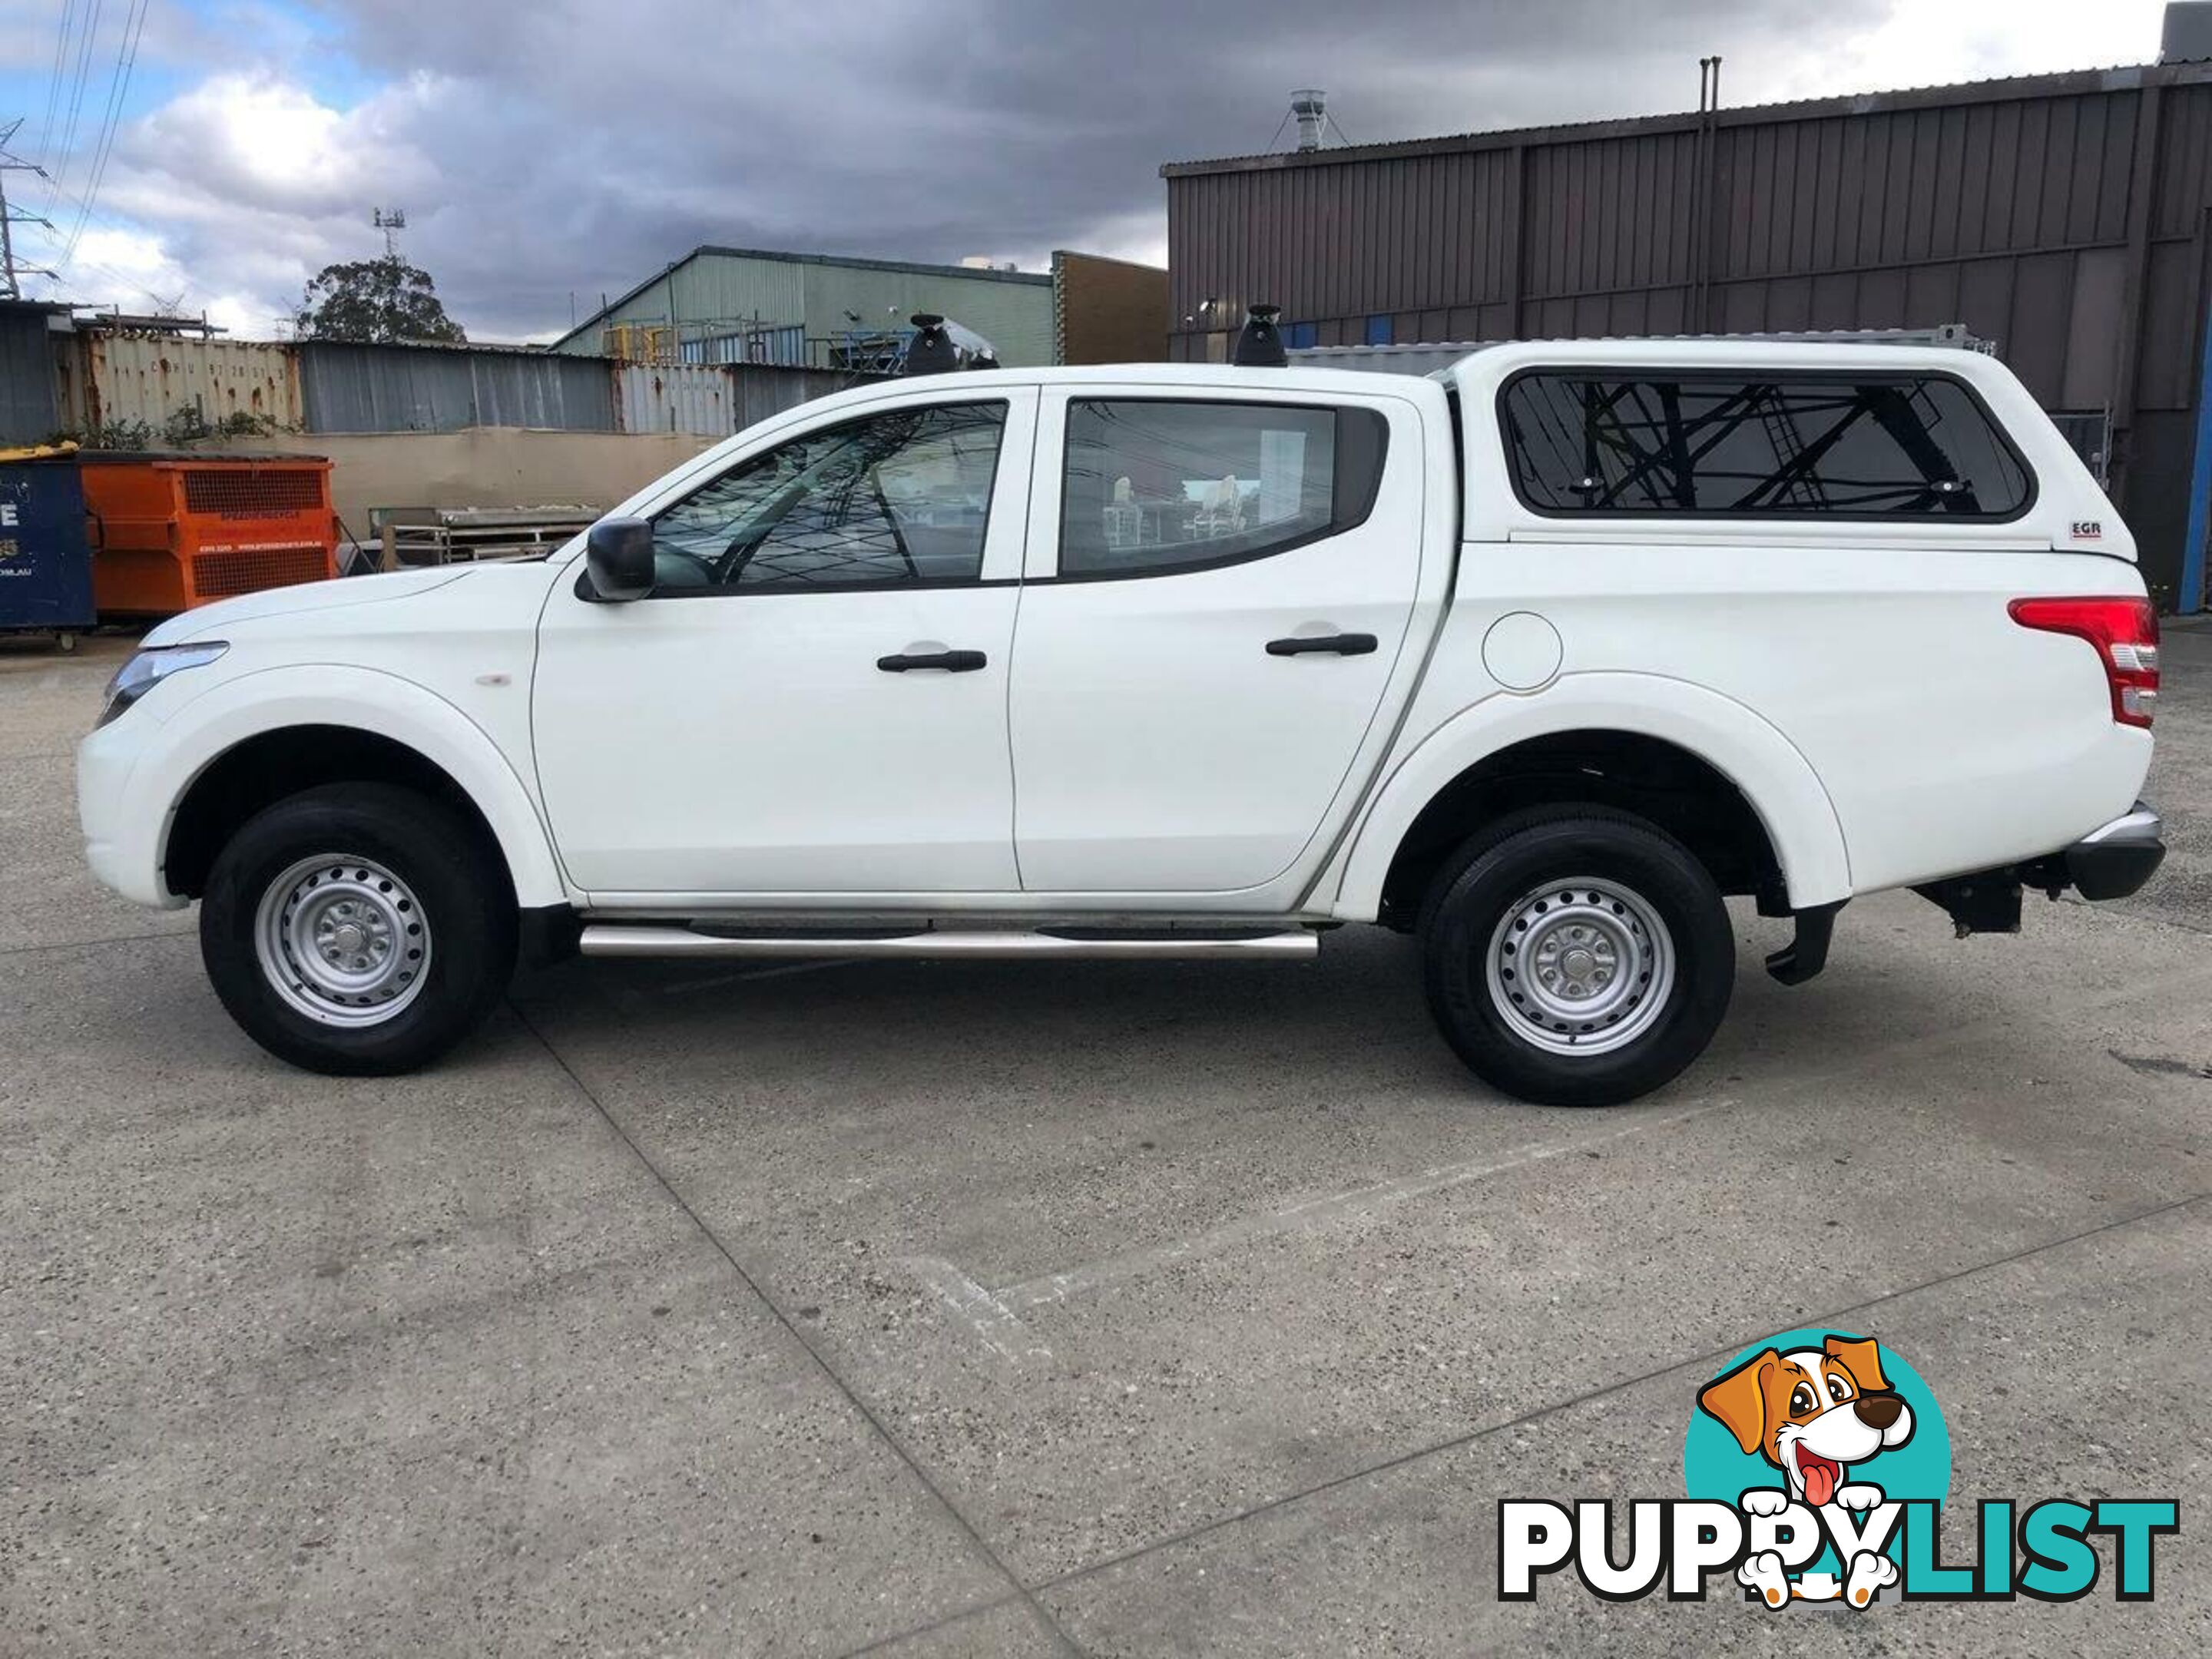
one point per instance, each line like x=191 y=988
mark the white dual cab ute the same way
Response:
x=1540 y=658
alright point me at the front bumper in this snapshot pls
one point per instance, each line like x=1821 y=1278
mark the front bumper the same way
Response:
x=123 y=831
x=2115 y=860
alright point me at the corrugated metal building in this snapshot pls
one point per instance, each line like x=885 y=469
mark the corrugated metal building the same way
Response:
x=423 y=388
x=1107 y=311
x=29 y=410
x=136 y=386
x=119 y=377
x=2066 y=217
x=716 y=398
x=722 y=304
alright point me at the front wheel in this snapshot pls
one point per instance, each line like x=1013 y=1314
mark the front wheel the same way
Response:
x=1577 y=956
x=357 y=929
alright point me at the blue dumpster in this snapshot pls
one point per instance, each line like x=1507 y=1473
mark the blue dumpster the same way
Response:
x=45 y=566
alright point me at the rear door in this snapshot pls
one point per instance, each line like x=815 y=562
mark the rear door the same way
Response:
x=1219 y=594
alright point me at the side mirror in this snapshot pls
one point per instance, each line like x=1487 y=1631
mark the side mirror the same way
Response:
x=618 y=559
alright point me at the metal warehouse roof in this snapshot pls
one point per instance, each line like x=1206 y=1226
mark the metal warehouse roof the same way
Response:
x=2120 y=78
x=854 y=261
x=841 y=261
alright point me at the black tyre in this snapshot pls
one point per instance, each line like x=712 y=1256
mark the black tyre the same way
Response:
x=1577 y=956
x=357 y=929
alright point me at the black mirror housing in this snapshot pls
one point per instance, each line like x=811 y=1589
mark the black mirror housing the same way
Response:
x=618 y=559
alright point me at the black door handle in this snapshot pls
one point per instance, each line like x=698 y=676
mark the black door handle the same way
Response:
x=1338 y=645
x=953 y=662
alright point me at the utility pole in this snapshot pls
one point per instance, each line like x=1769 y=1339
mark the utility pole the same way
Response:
x=11 y=287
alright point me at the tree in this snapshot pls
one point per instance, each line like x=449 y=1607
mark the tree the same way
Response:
x=378 y=300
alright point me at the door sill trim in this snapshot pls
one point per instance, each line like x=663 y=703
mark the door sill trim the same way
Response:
x=970 y=943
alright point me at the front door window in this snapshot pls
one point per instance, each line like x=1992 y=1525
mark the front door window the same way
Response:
x=898 y=497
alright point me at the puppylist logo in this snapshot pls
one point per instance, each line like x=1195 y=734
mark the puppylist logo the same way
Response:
x=1817 y=1466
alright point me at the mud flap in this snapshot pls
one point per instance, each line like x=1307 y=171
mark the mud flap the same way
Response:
x=1808 y=953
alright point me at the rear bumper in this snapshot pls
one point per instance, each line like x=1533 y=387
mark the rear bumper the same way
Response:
x=2115 y=860
x=2109 y=862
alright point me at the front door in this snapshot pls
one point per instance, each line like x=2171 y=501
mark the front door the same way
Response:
x=1220 y=587
x=813 y=699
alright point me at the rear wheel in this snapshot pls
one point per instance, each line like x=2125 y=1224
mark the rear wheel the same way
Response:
x=1577 y=956
x=357 y=929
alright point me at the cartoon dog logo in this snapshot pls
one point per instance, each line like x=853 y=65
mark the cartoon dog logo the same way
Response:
x=1812 y=1414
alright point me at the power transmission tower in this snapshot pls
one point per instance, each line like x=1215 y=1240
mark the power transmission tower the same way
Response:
x=11 y=287
x=391 y=222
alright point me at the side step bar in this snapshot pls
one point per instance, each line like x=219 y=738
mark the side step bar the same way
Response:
x=975 y=944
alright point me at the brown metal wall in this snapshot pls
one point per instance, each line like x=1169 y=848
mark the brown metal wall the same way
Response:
x=2068 y=218
x=1107 y=311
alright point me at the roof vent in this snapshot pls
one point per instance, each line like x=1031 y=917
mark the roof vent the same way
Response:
x=2187 y=36
x=1258 y=344
x=1310 y=109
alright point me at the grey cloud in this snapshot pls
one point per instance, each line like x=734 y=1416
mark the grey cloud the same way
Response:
x=578 y=145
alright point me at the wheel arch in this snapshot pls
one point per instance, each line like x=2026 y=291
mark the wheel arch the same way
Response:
x=1632 y=741
x=224 y=758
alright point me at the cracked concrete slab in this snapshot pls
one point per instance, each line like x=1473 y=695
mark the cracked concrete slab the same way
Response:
x=1216 y=1303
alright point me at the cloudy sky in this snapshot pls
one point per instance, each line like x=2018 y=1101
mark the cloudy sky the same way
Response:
x=548 y=151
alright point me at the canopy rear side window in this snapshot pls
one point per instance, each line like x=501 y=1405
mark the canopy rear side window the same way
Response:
x=1856 y=446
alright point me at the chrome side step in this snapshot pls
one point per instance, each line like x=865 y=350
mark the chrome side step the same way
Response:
x=602 y=939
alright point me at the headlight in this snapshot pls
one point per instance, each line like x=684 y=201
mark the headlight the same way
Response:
x=148 y=668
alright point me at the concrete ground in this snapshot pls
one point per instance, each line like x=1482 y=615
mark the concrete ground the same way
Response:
x=948 y=1309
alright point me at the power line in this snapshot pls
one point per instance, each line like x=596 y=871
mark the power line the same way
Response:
x=126 y=59
x=54 y=82
x=76 y=279
x=83 y=275
x=73 y=276
x=75 y=105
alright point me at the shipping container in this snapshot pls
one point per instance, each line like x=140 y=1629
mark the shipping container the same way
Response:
x=176 y=386
x=347 y=387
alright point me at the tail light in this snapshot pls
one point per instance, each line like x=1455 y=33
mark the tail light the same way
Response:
x=2125 y=635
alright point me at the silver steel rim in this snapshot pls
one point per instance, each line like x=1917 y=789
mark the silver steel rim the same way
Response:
x=343 y=940
x=1580 y=966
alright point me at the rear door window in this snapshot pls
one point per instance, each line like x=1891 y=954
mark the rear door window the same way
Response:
x=1157 y=485
x=1846 y=446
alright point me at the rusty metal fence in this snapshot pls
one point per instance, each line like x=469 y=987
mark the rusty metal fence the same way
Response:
x=136 y=389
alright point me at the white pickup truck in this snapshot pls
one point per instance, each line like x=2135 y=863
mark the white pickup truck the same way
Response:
x=1540 y=657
